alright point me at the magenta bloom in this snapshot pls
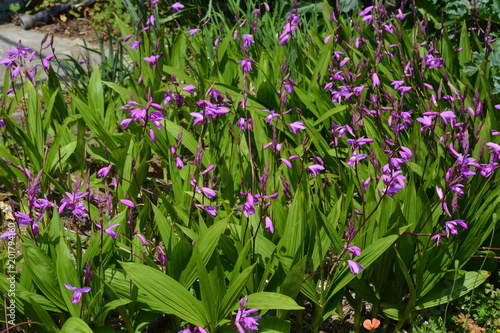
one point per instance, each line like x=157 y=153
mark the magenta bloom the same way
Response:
x=287 y=162
x=355 y=159
x=134 y=45
x=78 y=292
x=451 y=227
x=189 y=88
x=210 y=209
x=366 y=11
x=103 y=172
x=74 y=203
x=272 y=115
x=375 y=80
x=179 y=163
x=153 y=60
x=357 y=143
x=192 y=32
x=45 y=61
x=208 y=192
x=8 y=234
x=315 y=169
x=354 y=250
x=295 y=126
x=111 y=232
x=426 y=121
x=198 y=118
x=177 y=6
x=437 y=238
x=247 y=41
x=354 y=267
x=289 y=29
x=246 y=65
x=269 y=225
x=447 y=116
x=243 y=321
x=127 y=203
x=400 y=16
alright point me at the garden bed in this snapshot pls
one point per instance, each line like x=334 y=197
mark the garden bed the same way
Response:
x=291 y=169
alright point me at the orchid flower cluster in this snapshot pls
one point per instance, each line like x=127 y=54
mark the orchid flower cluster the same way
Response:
x=150 y=113
x=20 y=61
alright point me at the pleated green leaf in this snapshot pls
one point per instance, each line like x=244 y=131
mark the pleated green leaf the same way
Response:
x=75 y=325
x=43 y=273
x=174 y=298
x=268 y=300
x=448 y=290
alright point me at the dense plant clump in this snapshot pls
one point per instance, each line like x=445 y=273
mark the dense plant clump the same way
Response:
x=225 y=176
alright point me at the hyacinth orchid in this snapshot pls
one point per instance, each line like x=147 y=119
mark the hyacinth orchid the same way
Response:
x=243 y=322
x=77 y=292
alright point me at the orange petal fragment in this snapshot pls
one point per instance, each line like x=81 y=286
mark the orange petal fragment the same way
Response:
x=371 y=324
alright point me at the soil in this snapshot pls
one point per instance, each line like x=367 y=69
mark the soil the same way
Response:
x=73 y=29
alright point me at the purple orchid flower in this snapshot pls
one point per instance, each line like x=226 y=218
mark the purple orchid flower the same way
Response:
x=289 y=29
x=189 y=88
x=243 y=321
x=354 y=267
x=153 y=60
x=210 y=209
x=437 y=238
x=426 y=121
x=246 y=65
x=111 y=232
x=8 y=234
x=127 y=203
x=103 y=172
x=296 y=126
x=286 y=162
x=272 y=115
x=247 y=41
x=451 y=227
x=269 y=225
x=192 y=32
x=353 y=160
x=77 y=292
x=315 y=169
x=354 y=250
x=177 y=6
x=74 y=203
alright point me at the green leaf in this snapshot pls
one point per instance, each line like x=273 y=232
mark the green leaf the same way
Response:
x=447 y=290
x=465 y=54
x=24 y=296
x=44 y=317
x=234 y=292
x=270 y=324
x=173 y=297
x=292 y=283
x=369 y=255
x=206 y=245
x=110 y=306
x=43 y=273
x=34 y=120
x=67 y=274
x=267 y=301
x=75 y=325
x=94 y=121
x=208 y=289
